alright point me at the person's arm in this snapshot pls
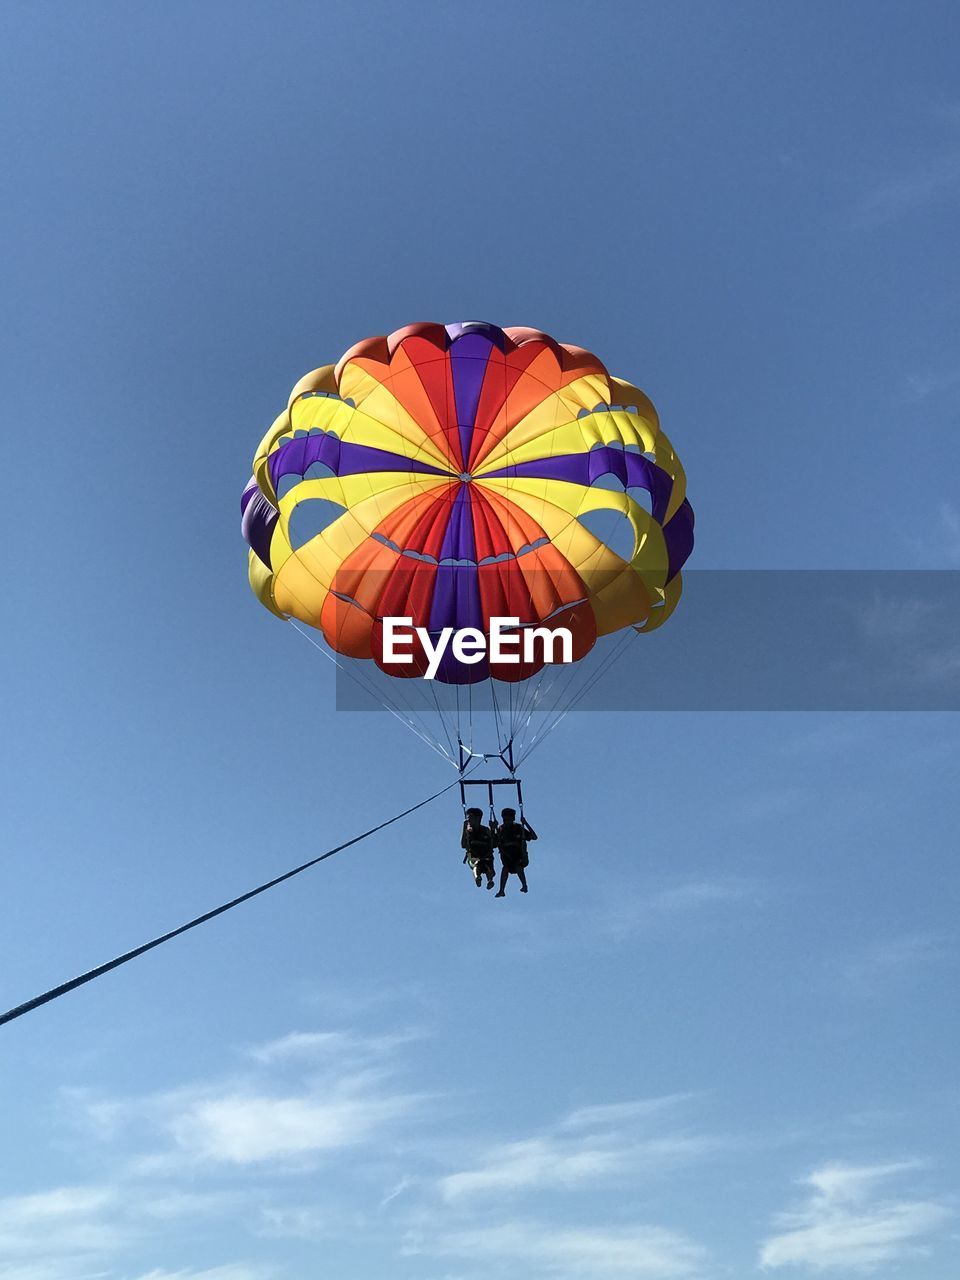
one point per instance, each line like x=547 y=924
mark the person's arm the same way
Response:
x=530 y=833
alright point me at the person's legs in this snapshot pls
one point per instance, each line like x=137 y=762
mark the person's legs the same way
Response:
x=504 y=873
x=523 y=879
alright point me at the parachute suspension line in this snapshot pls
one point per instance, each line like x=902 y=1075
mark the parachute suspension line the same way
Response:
x=525 y=693
x=558 y=690
x=416 y=716
x=410 y=721
x=560 y=707
x=442 y=719
x=517 y=695
x=556 y=694
x=361 y=682
x=464 y=722
x=496 y=715
x=612 y=659
x=533 y=694
x=531 y=702
x=605 y=666
x=538 y=699
x=29 y=1005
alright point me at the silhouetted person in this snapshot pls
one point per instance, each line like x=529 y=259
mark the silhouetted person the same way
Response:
x=511 y=838
x=477 y=840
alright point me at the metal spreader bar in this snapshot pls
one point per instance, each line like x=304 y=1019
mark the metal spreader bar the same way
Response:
x=505 y=757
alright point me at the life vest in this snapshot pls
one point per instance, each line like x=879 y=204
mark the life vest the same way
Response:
x=480 y=843
x=512 y=841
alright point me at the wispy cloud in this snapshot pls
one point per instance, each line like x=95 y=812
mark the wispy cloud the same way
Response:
x=310 y=1222
x=52 y=1268
x=694 y=894
x=936 y=541
x=619 y=1113
x=905 y=619
x=66 y=1220
x=338 y=1092
x=612 y=918
x=229 y=1272
x=248 y=1123
x=536 y=1162
x=898 y=195
x=846 y=1222
x=82 y=1231
x=915 y=638
x=248 y=1128
x=886 y=965
x=838 y=734
x=345 y=1098
x=293 y=1147
x=342 y=1047
x=397 y=1190
x=919 y=387
x=696 y=900
x=591 y=1145
x=537 y=1248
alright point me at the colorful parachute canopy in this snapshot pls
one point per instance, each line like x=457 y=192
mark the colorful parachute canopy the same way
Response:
x=460 y=473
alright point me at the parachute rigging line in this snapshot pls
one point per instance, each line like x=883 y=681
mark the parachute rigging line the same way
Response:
x=411 y=720
x=54 y=992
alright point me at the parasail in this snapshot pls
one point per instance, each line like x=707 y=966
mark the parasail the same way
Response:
x=453 y=475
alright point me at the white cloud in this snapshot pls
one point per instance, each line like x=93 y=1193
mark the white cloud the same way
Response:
x=537 y=1162
x=613 y=919
x=340 y=1046
x=315 y=1097
x=545 y=1163
x=936 y=541
x=921 y=386
x=903 y=619
x=698 y=893
x=314 y=1223
x=50 y=1269
x=895 y=197
x=887 y=964
x=846 y=1223
x=397 y=1190
x=616 y=1113
x=539 y=1248
x=171 y=1205
x=301 y=1044
x=64 y=1220
x=591 y=1144
x=80 y=1231
x=246 y=1127
x=230 y=1272
x=340 y=1097
x=700 y=900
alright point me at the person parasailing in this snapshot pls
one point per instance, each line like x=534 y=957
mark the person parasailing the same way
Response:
x=477 y=841
x=511 y=838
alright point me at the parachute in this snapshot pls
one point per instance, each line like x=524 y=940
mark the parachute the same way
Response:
x=451 y=475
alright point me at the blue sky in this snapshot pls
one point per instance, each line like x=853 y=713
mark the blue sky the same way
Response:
x=719 y=1036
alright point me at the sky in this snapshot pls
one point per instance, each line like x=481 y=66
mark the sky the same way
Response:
x=719 y=1036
